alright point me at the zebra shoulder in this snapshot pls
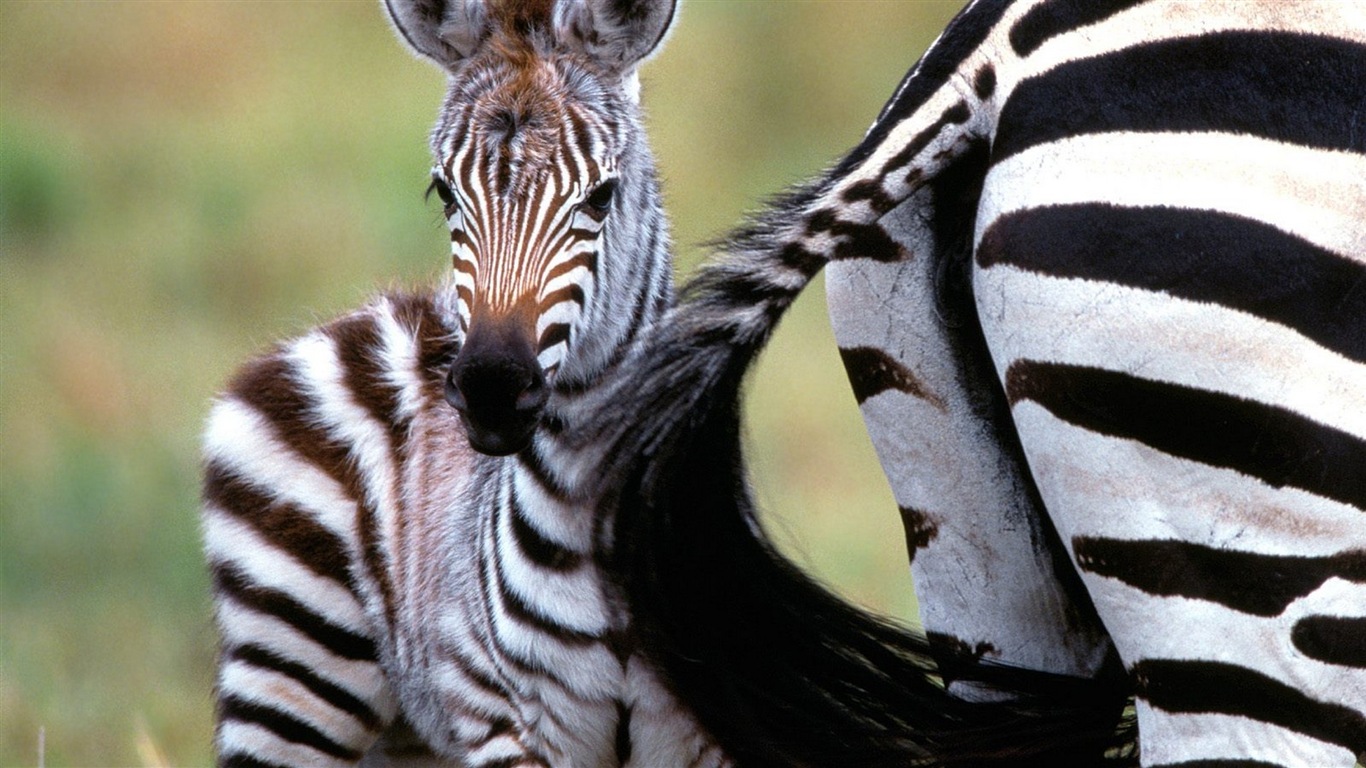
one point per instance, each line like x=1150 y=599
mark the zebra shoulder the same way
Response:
x=302 y=452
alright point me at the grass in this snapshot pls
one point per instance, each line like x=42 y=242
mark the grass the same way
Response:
x=181 y=183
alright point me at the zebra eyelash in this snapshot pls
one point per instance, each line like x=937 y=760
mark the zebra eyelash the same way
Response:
x=598 y=202
x=444 y=192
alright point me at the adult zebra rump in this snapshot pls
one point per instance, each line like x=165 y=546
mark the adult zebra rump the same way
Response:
x=1098 y=276
x=413 y=551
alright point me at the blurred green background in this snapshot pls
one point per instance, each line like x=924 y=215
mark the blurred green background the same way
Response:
x=183 y=182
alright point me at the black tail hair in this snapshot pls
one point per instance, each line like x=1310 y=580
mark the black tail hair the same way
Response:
x=776 y=667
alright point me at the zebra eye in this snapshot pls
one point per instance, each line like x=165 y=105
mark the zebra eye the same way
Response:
x=442 y=191
x=600 y=199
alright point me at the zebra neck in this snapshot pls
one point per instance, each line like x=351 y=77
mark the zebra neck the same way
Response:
x=553 y=483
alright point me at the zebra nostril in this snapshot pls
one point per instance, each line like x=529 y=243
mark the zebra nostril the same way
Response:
x=453 y=395
x=534 y=396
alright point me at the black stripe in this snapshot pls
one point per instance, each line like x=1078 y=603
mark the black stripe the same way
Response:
x=956 y=657
x=961 y=38
x=1203 y=256
x=1257 y=584
x=1058 y=17
x=865 y=241
x=285 y=726
x=1219 y=764
x=284 y=525
x=271 y=386
x=984 y=82
x=337 y=640
x=1272 y=444
x=552 y=335
x=1332 y=639
x=534 y=545
x=623 y=740
x=501 y=651
x=1298 y=89
x=245 y=761
x=535 y=465
x=517 y=608
x=953 y=115
x=464 y=294
x=1220 y=688
x=360 y=350
x=330 y=692
x=436 y=345
x=920 y=530
x=494 y=688
x=872 y=372
x=588 y=261
x=515 y=761
x=572 y=292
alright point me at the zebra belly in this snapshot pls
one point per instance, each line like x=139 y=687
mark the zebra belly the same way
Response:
x=982 y=567
x=1178 y=325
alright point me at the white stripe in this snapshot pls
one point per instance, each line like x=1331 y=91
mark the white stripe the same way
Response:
x=1152 y=22
x=229 y=540
x=500 y=748
x=244 y=441
x=1158 y=337
x=1315 y=194
x=573 y=599
x=1096 y=485
x=1177 y=738
x=591 y=671
x=366 y=439
x=284 y=693
x=261 y=743
x=241 y=625
x=449 y=678
x=572 y=531
x=400 y=362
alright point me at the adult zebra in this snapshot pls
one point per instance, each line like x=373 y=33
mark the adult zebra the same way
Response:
x=393 y=579
x=1098 y=276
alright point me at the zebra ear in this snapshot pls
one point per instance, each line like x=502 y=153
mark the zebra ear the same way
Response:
x=445 y=31
x=619 y=34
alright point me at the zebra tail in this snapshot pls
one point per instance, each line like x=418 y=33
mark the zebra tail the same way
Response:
x=779 y=669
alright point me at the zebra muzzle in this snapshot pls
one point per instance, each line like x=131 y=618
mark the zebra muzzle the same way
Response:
x=497 y=386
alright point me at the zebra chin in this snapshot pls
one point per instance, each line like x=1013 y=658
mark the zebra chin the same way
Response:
x=501 y=439
x=500 y=419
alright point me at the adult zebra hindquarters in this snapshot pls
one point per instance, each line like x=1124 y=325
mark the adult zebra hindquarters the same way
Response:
x=1180 y=362
x=780 y=670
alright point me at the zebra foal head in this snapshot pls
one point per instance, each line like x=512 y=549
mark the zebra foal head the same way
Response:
x=549 y=191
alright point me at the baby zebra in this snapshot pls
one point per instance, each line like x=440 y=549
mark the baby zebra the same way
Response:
x=418 y=546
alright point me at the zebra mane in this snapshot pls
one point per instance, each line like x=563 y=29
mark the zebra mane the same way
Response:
x=777 y=667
